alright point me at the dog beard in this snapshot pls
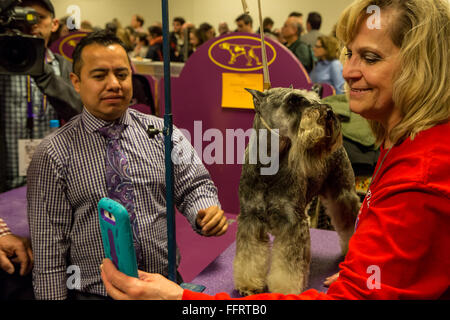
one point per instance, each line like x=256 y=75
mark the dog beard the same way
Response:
x=318 y=136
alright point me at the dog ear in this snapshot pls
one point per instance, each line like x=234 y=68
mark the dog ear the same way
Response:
x=257 y=96
x=295 y=100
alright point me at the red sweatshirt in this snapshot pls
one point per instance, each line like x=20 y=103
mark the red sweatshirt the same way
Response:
x=401 y=246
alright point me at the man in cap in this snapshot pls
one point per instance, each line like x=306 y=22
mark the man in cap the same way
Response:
x=28 y=103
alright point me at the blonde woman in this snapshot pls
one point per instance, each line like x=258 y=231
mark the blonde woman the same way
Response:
x=397 y=70
x=328 y=69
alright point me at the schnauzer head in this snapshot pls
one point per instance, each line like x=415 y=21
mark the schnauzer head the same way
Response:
x=312 y=128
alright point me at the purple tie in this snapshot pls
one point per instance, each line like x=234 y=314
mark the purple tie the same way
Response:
x=118 y=178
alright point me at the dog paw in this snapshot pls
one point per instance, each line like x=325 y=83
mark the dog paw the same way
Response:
x=249 y=291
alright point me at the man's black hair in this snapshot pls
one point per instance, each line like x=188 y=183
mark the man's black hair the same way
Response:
x=140 y=19
x=267 y=22
x=101 y=37
x=155 y=31
x=245 y=18
x=315 y=20
x=295 y=14
x=180 y=20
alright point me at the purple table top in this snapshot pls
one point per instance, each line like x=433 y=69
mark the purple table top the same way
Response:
x=218 y=275
x=13 y=210
x=325 y=258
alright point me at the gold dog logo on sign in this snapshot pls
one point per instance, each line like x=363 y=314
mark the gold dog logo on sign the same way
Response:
x=240 y=53
x=237 y=50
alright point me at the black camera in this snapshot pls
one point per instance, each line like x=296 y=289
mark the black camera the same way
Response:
x=19 y=53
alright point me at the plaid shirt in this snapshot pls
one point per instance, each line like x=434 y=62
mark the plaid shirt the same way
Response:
x=66 y=179
x=13 y=119
x=4 y=230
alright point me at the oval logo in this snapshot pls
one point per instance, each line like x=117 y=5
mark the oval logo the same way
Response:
x=68 y=44
x=240 y=53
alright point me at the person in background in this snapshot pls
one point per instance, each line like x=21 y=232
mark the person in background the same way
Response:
x=155 y=40
x=291 y=33
x=132 y=35
x=177 y=39
x=86 y=26
x=187 y=48
x=267 y=28
x=207 y=30
x=244 y=23
x=328 y=69
x=28 y=103
x=142 y=45
x=195 y=38
x=397 y=78
x=313 y=24
x=223 y=28
x=137 y=22
x=299 y=17
x=61 y=31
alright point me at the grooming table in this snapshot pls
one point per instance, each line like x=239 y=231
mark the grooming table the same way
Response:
x=325 y=258
x=218 y=275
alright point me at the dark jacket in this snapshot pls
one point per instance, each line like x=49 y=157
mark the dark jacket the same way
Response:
x=304 y=53
x=59 y=90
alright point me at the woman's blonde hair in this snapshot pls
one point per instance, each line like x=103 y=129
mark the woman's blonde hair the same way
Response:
x=331 y=46
x=421 y=88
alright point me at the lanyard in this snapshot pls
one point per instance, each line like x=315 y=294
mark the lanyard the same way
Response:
x=30 y=114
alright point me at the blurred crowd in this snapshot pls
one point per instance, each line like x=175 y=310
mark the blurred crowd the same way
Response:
x=317 y=52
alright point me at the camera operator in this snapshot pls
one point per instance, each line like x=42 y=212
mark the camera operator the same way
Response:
x=28 y=103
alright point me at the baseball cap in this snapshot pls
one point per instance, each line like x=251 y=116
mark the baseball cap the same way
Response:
x=45 y=3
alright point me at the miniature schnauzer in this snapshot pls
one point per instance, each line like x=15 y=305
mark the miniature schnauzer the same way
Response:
x=312 y=162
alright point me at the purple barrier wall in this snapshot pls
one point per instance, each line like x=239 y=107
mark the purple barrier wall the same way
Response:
x=197 y=96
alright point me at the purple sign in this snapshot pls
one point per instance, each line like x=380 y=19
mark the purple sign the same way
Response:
x=66 y=45
x=197 y=102
x=240 y=53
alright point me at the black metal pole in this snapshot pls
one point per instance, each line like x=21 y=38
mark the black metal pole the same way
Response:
x=168 y=128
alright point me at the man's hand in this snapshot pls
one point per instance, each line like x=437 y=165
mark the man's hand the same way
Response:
x=18 y=250
x=212 y=221
x=149 y=286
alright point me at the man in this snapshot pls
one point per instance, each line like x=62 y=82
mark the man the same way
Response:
x=223 y=28
x=313 y=24
x=291 y=33
x=177 y=40
x=137 y=22
x=155 y=41
x=78 y=165
x=50 y=95
x=299 y=17
x=244 y=23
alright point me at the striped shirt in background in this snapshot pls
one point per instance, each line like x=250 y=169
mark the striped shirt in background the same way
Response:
x=66 y=179
x=4 y=230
